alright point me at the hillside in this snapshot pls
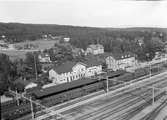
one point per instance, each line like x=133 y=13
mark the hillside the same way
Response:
x=117 y=40
x=17 y=32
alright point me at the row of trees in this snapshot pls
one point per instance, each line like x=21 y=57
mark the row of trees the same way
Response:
x=10 y=71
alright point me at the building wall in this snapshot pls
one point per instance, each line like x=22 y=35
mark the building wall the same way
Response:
x=91 y=71
x=79 y=71
x=112 y=63
x=44 y=59
x=79 y=67
x=98 y=50
x=120 y=63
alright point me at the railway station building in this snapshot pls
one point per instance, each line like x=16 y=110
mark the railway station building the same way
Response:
x=70 y=71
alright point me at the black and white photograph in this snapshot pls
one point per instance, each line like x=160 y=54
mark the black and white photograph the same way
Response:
x=83 y=59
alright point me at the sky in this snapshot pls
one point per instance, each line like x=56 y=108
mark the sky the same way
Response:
x=94 y=13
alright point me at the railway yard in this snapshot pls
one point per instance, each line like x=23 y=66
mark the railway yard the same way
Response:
x=126 y=99
x=123 y=104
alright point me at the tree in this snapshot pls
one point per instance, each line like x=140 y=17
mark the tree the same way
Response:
x=32 y=64
x=19 y=87
x=6 y=73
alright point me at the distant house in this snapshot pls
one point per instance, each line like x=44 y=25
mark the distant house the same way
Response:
x=139 y=40
x=95 y=49
x=3 y=45
x=30 y=85
x=70 y=71
x=26 y=84
x=77 y=52
x=157 y=56
x=2 y=42
x=44 y=58
x=120 y=61
x=66 y=39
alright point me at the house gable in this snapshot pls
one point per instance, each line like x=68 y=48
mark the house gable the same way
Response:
x=79 y=67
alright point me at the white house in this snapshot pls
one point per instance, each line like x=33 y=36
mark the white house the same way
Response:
x=2 y=42
x=95 y=49
x=3 y=45
x=43 y=58
x=67 y=72
x=70 y=71
x=66 y=39
x=120 y=61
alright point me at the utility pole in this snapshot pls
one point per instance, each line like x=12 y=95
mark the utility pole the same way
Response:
x=107 y=84
x=153 y=95
x=17 y=98
x=159 y=67
x=36 y=103
x=32 y=111
x=150 y=69
x=165 y=59
x=36 y=75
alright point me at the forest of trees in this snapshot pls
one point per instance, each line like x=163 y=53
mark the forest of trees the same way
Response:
x=80 y=36
x=113 y=39
x=10 y=71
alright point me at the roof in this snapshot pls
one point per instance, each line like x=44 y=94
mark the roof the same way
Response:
x=65 y=67
x=23 y=82
x=95 y=46
x=104 y=55
x=44 y=55
x=62 y=87
x=92 y=61
x=31 y=85
x=119 y=56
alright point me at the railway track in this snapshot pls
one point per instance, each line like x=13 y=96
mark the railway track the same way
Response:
x=112 y=112
x=154 y=113
x=132 y=112
x=161 y=81
x=65 y=105
x=129 y=114
x=109 y=111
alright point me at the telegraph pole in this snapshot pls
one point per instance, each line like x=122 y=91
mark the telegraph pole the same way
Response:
x=150 y=69
x=17 y=98
x=153 y=95
x=42 y=106
x=32 y=111
x=107 y=84
x=36 y=75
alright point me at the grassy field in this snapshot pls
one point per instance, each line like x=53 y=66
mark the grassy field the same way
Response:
x=16 y=54
x=42 y=44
